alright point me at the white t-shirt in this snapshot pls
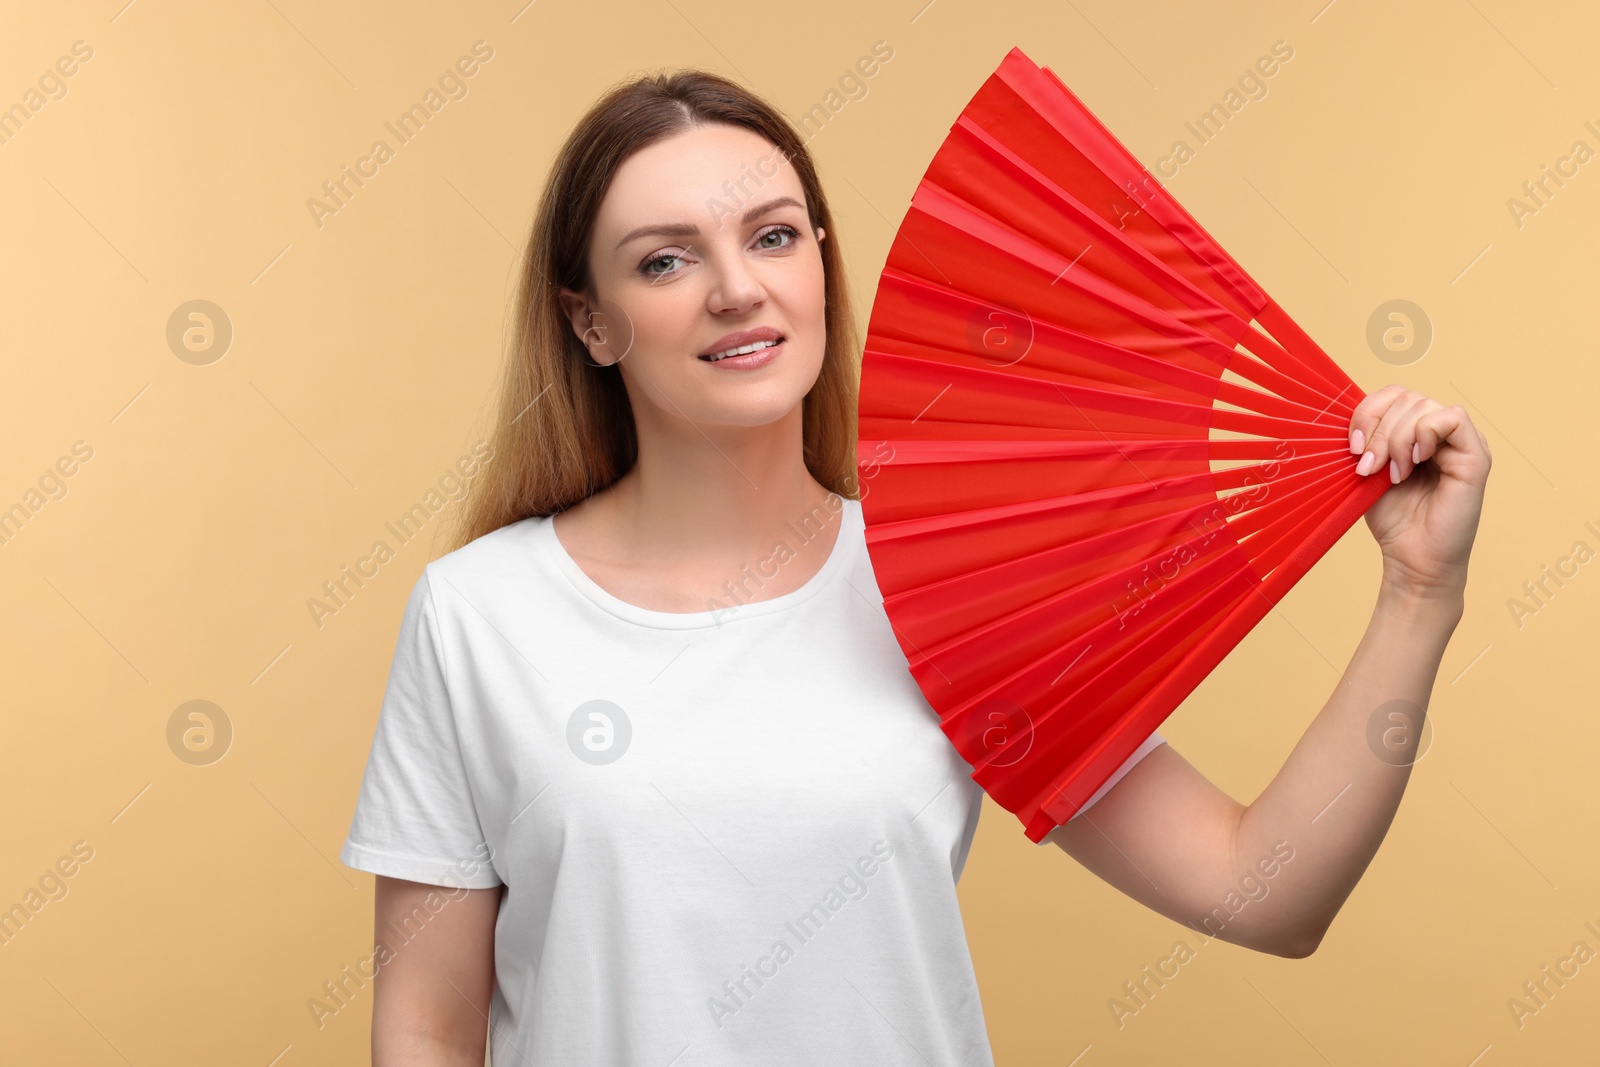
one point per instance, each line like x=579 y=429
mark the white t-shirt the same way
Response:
x=729 y=837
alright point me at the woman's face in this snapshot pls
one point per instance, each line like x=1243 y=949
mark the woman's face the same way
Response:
x=701 y=238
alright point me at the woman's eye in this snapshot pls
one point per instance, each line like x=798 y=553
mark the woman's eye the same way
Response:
x=787 y=233
x=648 y=265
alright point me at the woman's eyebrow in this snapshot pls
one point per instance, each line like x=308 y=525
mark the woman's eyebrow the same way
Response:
x=687 y=229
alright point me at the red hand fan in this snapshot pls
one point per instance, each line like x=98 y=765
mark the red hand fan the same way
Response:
x=1093 y=452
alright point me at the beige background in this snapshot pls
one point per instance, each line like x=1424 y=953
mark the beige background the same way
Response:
x=219 y=497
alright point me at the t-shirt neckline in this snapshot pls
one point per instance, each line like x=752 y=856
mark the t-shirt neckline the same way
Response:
x=840 y=556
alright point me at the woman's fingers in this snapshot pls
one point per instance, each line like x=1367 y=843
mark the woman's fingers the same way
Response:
x=1364 y=420
x=1403 y=443
x=1450 y=426
x=1384 y=428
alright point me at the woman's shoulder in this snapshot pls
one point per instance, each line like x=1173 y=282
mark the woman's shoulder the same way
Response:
x=496 y=561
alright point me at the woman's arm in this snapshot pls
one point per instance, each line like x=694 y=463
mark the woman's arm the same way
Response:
x=1169 y=838
x=431 y=998
x=1273 y=875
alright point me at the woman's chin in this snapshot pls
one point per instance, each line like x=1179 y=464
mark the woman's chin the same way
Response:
x=754 y=409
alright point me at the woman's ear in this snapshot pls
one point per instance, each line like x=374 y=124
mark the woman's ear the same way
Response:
x=821 y=233
x=575 y=306
x=591 y=327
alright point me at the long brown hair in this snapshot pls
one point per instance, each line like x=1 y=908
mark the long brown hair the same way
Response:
x=564 y=428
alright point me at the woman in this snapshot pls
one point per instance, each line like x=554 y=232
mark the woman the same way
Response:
x=651 y=782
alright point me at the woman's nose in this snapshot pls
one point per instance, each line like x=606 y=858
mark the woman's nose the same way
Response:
x=736 y=286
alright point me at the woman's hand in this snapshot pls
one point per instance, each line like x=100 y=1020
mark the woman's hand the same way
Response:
x=1426 y=522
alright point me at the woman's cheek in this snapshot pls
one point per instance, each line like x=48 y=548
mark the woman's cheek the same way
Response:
x=659 y=330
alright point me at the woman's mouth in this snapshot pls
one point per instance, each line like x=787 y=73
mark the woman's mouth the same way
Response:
x=754 y=354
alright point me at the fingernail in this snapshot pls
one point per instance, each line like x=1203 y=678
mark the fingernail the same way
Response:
x=1356 y=442
x=1416 y=452
x=1394 y=471
x=1368 y=461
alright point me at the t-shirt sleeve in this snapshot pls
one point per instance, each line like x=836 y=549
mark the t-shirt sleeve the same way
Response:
x=415 y=817
x=1116 y=776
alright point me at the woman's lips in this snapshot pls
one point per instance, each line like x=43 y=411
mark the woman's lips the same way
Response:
x=760 y=357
